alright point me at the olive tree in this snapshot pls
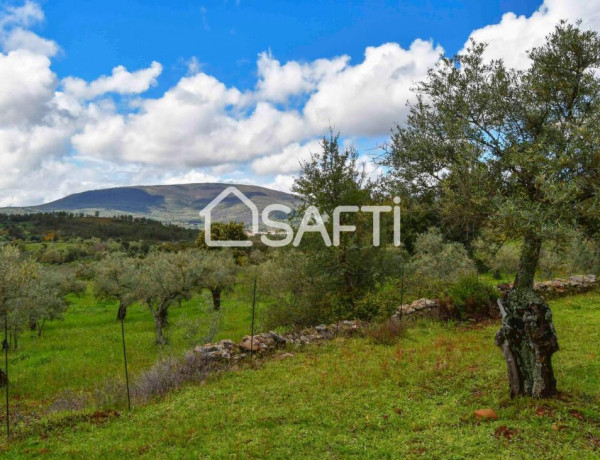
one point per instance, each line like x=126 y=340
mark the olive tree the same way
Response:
x=15 y=284
x=218 y=274
x=167 y=279
x=16 y=275
x=518 y=152
x=46 y=300
x=117 y=278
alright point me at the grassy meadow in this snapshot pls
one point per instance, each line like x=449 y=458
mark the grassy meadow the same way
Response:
x=83 y=353
x=348 y=398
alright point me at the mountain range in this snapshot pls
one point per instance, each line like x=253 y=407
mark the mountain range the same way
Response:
x=177 y=204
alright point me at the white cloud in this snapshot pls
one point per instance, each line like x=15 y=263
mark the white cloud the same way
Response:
x=21 y=39
x=282 y=182
x=367 y=99
x=278 y=82
x=25 y=15
x=204 y=123
x=14 y=35
x=26 y=87
x=514 y=35
x=191 y=177
x=121 y=82
x=199 y=122
x=288 y=160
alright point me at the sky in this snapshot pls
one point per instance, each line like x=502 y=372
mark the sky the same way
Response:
x=98 y=94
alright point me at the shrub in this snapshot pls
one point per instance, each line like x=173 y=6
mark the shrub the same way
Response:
x=382 y=302
x=170 y=373
x=437 y=264
x=387 y=332
x=52 y=257
x=506 y=260
x=293 y=295
x=584 y=255
x=553 y=261
x=473 y=299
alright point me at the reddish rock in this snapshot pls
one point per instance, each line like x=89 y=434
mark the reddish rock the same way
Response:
x=485 y=414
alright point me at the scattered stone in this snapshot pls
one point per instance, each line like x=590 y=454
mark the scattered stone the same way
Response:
x=557 y=287
x=485 y=414
x=277 y=338
x=554 y=288
x=227 y=350
x=228 y=344
x=250 y=344
x=421 y=305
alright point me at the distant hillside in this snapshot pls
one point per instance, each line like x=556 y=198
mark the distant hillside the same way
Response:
x=177 y=204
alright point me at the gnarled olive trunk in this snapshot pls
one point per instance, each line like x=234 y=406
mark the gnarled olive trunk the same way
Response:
x=527 y=336
x=158 y=324
x=216 y=296
x=160 y=320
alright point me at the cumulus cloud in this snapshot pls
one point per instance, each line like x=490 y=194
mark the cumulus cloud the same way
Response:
x=367 y=99
x=286 y=161
x=21 y=39
x=25 y=15
x=199 y=122
x=514 y=35
x=207 y=123
x=282 y=182
x=121 y=81
x=26 y=87
x=278 y=82
x=14 y=35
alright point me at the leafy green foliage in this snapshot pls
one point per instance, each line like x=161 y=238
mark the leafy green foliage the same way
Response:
x=473 y=299
x=223 y=231
x=516 y=151
x=338 y=275
x=64 y=225
x=436 y=264
x=217 y=273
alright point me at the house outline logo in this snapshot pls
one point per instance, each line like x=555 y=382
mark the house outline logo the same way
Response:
x=206 y=213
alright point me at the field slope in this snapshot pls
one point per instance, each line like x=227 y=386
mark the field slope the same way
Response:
x=351 y=398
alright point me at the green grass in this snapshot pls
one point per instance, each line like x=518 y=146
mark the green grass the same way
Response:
x=351 y=398
x=83 y=351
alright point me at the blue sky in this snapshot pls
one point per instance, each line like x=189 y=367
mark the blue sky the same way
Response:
x=95 y=94
x=227 y=36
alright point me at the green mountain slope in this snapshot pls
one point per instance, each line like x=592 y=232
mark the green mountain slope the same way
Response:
x=179 y=204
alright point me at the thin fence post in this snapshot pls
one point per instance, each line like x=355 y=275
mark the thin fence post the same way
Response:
x=125 y=360
x=5 y=346
x=253 y=314
x=402 y=291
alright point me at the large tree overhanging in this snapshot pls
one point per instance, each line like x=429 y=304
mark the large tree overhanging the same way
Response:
x=517 y=151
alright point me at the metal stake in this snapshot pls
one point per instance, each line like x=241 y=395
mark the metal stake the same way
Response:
x=253 y=314
x=5 y=346
x=125 y=360
x=402 y=290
